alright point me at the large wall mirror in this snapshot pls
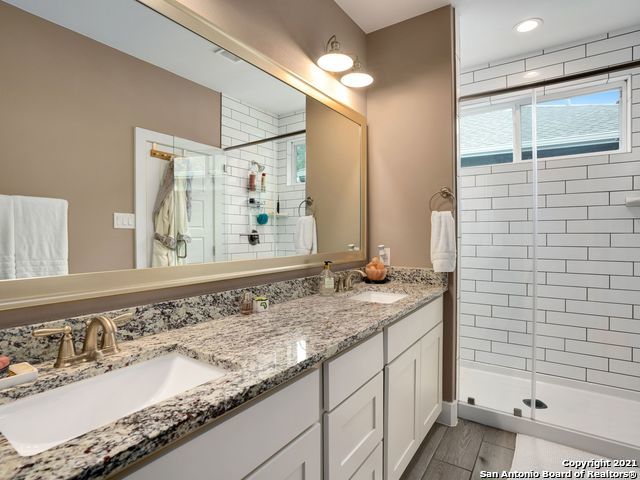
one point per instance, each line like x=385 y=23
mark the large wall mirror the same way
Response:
x=131 y=142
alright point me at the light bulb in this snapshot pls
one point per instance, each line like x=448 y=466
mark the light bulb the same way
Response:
x=334 y=60
x=357 y=77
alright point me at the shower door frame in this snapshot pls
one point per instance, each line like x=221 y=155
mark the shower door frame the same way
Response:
x=498 y=418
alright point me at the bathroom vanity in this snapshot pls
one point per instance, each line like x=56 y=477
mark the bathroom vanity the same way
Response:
x=369 y=406
x=315 y=387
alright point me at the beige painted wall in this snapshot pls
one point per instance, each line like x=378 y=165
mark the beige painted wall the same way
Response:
x=69 y=107
x=333 y=176
x=293 y=33
x=411 y=117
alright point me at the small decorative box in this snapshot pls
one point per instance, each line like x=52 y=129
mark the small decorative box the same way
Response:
x=260 y=304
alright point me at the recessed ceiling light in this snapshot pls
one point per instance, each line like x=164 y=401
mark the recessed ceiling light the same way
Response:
x=528 y=25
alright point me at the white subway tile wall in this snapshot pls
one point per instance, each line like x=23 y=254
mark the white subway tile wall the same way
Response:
x=589 y=242
x=243 y=123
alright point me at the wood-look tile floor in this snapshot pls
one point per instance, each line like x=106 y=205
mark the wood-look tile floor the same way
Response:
x=461 y=452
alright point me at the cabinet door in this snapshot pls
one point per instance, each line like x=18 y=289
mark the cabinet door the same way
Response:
x=300 y=460
x=402 y=425
x=430 y=404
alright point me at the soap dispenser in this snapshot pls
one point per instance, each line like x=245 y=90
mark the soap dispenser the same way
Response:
x=327 y=280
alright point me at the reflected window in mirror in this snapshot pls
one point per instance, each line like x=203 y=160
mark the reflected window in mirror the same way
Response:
x=297 y=162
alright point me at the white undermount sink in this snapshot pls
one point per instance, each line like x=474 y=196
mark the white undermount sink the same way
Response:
x=39 y=422
x=378 y=297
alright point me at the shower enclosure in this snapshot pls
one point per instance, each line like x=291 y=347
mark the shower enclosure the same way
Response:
x=549 y=272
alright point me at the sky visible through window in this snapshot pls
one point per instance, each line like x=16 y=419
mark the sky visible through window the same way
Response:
x=611 y=97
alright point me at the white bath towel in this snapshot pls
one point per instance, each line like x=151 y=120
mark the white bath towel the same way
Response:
x=443 y=242
x=41 y=236
x=305 y=236
x=7 y=243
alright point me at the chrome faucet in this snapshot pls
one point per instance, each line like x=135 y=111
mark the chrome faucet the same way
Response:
x=90 y=350
x=348 y=281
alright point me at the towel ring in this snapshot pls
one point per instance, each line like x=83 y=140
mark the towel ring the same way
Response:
x=308 y=202
x=446 y=193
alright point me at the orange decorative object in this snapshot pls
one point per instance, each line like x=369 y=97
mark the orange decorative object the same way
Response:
x=376 y=270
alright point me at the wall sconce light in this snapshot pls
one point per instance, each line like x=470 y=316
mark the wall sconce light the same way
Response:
x=334 y=59
x=357 y=77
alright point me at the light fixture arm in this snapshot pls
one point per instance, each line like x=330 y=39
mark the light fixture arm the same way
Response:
x=333 y=45
x=330 y=43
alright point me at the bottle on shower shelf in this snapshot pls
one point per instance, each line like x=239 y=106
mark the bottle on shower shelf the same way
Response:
x=251 y=185
x=263 y=182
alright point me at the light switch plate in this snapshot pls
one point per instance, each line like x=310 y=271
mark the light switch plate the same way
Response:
x=124 y=220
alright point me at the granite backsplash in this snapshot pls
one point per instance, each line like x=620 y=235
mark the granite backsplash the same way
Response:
x=18 y=343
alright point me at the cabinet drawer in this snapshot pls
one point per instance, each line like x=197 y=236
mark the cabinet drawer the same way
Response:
x=300 y=460
x=346 y=373
x=353 y=430
x=232 y=449
x=371 y=469
x=405 y=332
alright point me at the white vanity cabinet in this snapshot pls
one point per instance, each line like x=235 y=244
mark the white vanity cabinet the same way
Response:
x=413 y=384
x=280 y=434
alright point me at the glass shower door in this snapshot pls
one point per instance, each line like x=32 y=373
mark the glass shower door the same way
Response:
x=496 y=187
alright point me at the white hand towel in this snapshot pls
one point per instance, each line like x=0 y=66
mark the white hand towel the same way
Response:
x=443 y=242
x=305 y=236
x=7 y=242
x=41 y=236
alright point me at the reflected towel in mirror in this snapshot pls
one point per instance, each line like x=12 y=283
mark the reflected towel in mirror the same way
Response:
x=41 y=236
x=305 y=236
x=7 y=243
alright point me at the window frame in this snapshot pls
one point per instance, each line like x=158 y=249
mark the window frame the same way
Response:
x=555 y=92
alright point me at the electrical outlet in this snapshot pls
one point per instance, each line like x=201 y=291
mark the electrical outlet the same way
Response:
x=387 y=255
x=124 y=220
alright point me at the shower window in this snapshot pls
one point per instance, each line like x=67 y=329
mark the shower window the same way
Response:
x=486 y=136
x=575 y=121
x=297 y=156
x=579 y=123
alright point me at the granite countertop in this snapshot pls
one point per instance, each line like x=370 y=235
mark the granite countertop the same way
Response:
x=260 y=352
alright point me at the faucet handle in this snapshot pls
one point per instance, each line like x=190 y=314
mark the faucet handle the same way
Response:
x=67 y=350
x=123 y=318
x=47 y=332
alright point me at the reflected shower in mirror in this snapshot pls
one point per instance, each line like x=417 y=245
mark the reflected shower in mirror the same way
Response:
x=131 y=142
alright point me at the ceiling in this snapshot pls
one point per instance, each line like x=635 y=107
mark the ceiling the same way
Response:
x=132 y=28
x=371 y=15
x=486 y=26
